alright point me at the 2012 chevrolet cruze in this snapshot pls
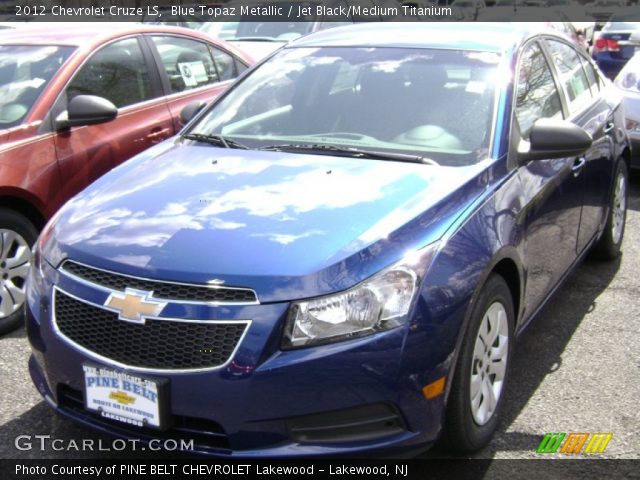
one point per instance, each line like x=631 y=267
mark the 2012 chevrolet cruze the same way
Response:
x=337 y=255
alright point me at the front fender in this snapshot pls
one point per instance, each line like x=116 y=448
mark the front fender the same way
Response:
x=489 y=239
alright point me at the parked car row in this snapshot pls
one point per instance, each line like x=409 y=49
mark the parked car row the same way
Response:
x=337 y=254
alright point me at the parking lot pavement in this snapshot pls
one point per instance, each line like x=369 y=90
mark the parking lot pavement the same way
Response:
x=576 y=369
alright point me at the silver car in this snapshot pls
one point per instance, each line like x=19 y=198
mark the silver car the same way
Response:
x=628 y=81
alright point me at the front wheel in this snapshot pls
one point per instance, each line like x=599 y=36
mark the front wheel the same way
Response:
x=17 y=235
x=479 y=381
x=608 y=247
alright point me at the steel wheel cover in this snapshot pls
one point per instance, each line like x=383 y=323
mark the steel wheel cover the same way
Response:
x=489 y=363
x=619 y=208
x=15 y=260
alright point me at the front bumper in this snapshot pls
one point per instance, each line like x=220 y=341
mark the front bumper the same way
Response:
x=354 y=397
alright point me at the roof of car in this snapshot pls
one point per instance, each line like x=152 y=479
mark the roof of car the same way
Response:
x=497 y=37
x=76 y=33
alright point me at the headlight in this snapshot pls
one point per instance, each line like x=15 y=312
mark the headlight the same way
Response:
x=41 y=251
x=36 y=251
x=380 y=303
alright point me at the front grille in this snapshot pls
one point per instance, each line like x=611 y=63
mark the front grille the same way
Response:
x=164 y=290
x=157 y=344
x=206 y=434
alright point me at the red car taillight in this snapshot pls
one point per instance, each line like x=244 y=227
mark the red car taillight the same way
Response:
x=606 y=45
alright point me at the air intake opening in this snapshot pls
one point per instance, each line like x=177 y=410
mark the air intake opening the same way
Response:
x=363 y=423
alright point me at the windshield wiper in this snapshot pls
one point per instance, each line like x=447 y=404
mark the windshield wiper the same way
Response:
x=350 y=152
x=217 y=140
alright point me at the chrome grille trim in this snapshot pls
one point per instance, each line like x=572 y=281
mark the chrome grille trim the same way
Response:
x=110 y=362
x=141 y=283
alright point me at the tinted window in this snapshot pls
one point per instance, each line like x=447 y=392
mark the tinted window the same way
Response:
x=240 y=67
x=224 y=64
x=188 y=63
x=592 y=76
x=572 y=75
x=536 y=95
x=117 y=72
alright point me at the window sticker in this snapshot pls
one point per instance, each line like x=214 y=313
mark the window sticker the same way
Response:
x=193 y=73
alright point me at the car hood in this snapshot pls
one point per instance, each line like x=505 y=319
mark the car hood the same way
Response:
x=287 y=225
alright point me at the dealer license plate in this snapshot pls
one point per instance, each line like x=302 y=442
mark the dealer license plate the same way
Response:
x=123 y=397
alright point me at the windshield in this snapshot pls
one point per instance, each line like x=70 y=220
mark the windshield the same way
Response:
x=431 y=103
x=25 y=71
x=269 y=30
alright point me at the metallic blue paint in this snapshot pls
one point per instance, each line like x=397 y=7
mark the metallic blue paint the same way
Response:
x=142 y=221
x=610 y=63
x=295 y=226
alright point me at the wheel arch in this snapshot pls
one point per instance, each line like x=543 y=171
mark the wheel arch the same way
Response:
x=24 y=207
x=506 y=263
x=508 y=269
x=626 y=156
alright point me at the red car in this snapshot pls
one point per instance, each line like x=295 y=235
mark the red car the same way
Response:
x=77 y=101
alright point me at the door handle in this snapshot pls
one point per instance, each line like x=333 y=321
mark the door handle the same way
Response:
x=608 y=127
x=578 y=165
x=158 y=134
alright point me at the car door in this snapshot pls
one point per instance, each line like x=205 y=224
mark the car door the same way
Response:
x=590 y=111
x=193 y=70
x=551 y=189
x=122 y=73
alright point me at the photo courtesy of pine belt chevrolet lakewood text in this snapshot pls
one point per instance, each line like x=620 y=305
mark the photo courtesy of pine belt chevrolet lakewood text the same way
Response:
x=336 y=255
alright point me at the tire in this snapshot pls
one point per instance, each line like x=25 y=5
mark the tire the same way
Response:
x=609 y=244
x=470 y=421
x=17 y=235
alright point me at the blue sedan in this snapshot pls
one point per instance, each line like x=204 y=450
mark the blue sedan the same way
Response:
x=338 y=254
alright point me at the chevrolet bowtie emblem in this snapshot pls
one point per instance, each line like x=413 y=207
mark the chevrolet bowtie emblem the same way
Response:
x=134 y=305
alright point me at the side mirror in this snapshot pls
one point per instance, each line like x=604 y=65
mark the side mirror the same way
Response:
x=190 y=111
x=549 y=138
x=86 y=110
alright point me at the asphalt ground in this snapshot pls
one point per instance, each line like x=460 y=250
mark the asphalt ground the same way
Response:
x=576 y=369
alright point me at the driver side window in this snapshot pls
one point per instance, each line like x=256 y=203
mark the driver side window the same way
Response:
x=117 y=72
x=536 y=92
